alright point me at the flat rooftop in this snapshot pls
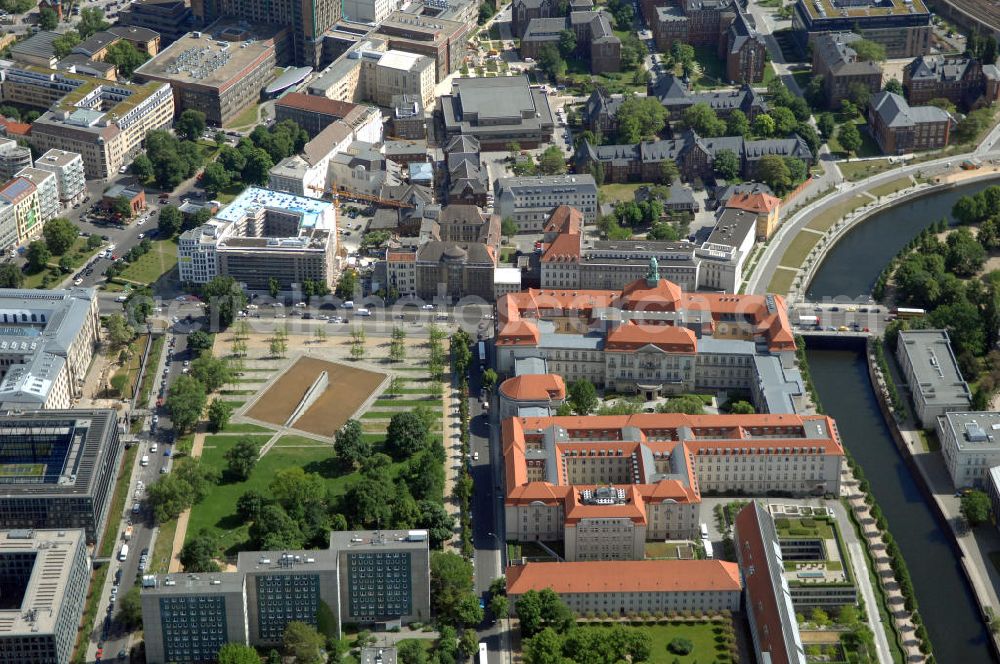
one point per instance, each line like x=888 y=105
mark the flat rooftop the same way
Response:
x=495 y=98
x=375 y=539
x=311 y=210
x=975 y=431
x=934 y=367
x=44 y=589
x=856 y=9
x=212 y=59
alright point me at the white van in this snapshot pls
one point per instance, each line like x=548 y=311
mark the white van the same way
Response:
x=704 y=531
x=123 y=554
x=362 y=312
x=144 y=461
x=348 y=305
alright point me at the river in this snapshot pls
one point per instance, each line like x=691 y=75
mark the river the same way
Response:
x=841 y=377
x=854 y=263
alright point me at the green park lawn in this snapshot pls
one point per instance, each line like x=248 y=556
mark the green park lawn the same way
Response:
x=857 y=170
x=701 y=634
x=217 y=512
x=160 y=259
x=300 y=441
x=246 y=118
x=232 y=427
x=781 y=281
x=891 y=187
x=713 y=73
x=800 y=247
x=619 y=192
x=832 y=214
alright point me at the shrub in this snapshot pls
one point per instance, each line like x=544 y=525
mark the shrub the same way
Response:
x=680 y=646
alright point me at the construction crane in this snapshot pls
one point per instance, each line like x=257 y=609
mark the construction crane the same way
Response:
x=337 y=192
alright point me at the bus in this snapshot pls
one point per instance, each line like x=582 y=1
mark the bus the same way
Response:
x=482 y=355
x=906 y=312
x=482 y=653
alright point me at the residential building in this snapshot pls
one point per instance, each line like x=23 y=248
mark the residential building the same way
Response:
x=766 y=207
x=442 y=40
x=694 y=156
x=46 y=345
x=13 y=157
x=103 y=121
x=368 y=578
x=522 y=12
x=932 y=374
x=774 y=630
x=678 y=202
x=406 y=153
x=604 y=485
x=143 y=39
x=263 y=235
x=903 y=28
x=46 y=189
x=595 y=38
x=68 y=169
x=963 y=81
x=45 y=573
x=650 y=337
x=842 y=71
x=8 y=226
x=497 y=111
x=969 y=445
x=401 y=272
x=362 y=169
x=22 y=195
x=531 y=200
x=506 y=280
x=306 y=20
x=171 y=19
x=676 y=97
x=408 y=118
x=632 y=588
x=74 y=488
x=220 y=71
x=369 y=71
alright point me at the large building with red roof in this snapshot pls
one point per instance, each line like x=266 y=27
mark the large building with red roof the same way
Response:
x=634 y=587
x=654 y=339
x=604 y=485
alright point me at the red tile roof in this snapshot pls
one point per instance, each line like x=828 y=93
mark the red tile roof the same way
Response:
x=534 y=387
x=401 y=257
x=565 y=219
x=625 y=576
x=756 y=202
x=670 y=338
x=12 y=128
x=316 y=104
x=565 y=248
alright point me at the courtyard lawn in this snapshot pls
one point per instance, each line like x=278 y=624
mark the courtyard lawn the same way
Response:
x=163 y=548
x=217 y=513
x=800 y=247
x=619 y=192
x=781 y=281
x=869 y=148
x=248 y=117
x=713 y=73
x=701 y=634
x=162 y=258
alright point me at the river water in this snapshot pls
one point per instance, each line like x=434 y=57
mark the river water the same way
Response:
x=841 y=377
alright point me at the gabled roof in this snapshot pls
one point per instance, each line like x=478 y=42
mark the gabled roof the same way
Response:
x=462 y=143
x=540 y=387
x=564 y=219
x=565 y=248
x=753 y=202
x=668 y=338
x=896 y=112
x=625 y=576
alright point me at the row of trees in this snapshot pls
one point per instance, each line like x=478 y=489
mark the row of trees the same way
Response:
x=168 y=160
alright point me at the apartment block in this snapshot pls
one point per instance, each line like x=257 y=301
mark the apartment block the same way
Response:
x=931 y=372
x=68 y=169
x=604 y=485
x=440 y=39
x=219 y=71
x=263 y=234
x=13 y=157
x=315 y=113
x=969 y=445
x=26 y=210
x=903 y=27
x=369 y=71
x=530 y=201
x=104 y=121
x=45 y=574
x=366 y=578
x=47 y=190
x=74 y=487
x=774 y=628
x=633 y=588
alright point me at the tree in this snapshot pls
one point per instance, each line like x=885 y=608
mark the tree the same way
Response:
x=218 y=415
x=250 y=504
x=703 y=120
x=538 y=610
x=350 y=445
x=212 y=372
x=215 y=177
x=406 y=434
x=688 y=404
x=859 y=94
x=11 y=276
x=451 y=582
x=773 y=171
x=664 y=231
x=763 y=125
x=682 y=54
x=64 y=43
x=258 y=166
x=726 y=165
x=48 y=19
x=130 y=609
x=237 y=653
x=849 y=137
x=809 y=135
x=185 y=402
x=489 y=379
x=583 y=397
x=669 y=172
x=894 y=86
x=567 y=43
x=639 y=118
x=499 y=606
x=468 y=644
x=126 y=57
x=91 y=21
x=552 y=161
x=199 y=341
x=869 y=51
x=964 y=255
x=347 y=285
x=545 y=648
x=122 y=207
x=241 y=458
x=170 y=219
x=38 y=256
x=412 y=651
x=223 y=298
x=827 y=124
x=190 y=124
x=303 y=642
x=797 y=169
x=742 y=408
x=680 y=646
x=275 y=529
x=198 y=553
x=508 y=227
x=785 y=121
x=737 y=124
x=551 y=62
x=119 y=332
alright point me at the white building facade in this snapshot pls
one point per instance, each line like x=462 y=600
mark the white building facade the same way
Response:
x=68 y=169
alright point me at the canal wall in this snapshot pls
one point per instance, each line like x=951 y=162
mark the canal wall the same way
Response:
x=816 y=257
x=917 y=470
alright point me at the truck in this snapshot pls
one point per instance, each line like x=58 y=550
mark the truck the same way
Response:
x=127 y=535
x=805 y=320
x=482 y=355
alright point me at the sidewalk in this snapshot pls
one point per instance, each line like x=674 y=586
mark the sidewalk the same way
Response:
x=451 y=434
